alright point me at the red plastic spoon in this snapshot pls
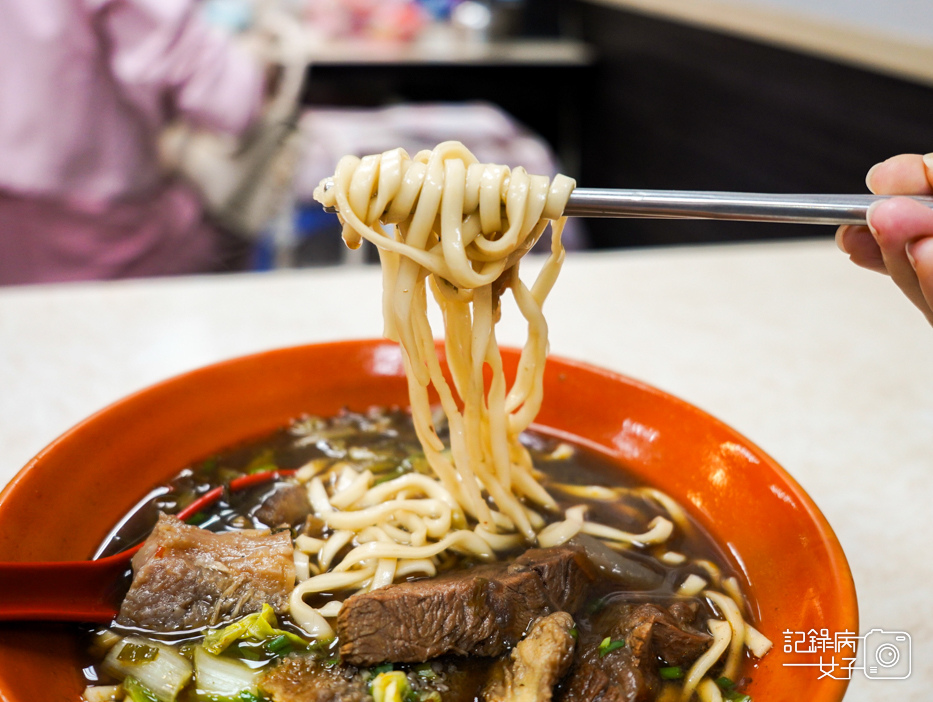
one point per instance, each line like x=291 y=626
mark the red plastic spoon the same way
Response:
x=87 y=591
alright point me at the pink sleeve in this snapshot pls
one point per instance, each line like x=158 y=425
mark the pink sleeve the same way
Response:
x=169 y=61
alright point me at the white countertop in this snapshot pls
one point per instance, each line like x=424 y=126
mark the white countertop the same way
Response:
x=894 y=37
x=823 y=365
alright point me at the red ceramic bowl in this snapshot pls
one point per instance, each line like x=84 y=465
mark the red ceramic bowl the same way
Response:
x=65 y=501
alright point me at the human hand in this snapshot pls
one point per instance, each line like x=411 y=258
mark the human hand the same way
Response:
x=898 y=240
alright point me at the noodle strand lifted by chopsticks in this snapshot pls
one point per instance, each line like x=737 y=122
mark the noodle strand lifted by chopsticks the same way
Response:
x=444 y=222
x=450 y=235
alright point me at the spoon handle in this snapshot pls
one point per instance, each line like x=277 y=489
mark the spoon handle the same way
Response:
x=746 y=207
x=83 y=591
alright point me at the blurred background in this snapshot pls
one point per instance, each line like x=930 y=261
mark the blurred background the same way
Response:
x=746 y=95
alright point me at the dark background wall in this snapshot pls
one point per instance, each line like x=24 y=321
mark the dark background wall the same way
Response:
x=675 y=107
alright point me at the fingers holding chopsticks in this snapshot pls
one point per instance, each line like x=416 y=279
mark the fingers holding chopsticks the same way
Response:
x=899 y=238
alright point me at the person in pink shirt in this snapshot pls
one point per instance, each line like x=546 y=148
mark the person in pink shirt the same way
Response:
x=899 y=239
x=85 y=88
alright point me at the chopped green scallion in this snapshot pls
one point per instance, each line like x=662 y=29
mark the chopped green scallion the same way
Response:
x=607 y=646
x=280 y=645
x=674 y=672
x=729 y=692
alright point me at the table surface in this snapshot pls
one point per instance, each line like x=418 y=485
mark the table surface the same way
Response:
x=893 y=37
x=823 y=365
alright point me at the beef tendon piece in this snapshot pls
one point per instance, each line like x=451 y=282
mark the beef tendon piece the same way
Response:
x=305 y=679
x=536 y=664
x=629 y=673
x=482 y=611
x=185 y=577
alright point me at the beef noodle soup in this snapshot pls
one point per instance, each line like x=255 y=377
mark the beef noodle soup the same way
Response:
x=630 y=613
x=444 y=553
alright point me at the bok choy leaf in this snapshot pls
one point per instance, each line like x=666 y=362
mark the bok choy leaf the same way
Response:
x=260 y=626
x=159 y=668
x=219 y=678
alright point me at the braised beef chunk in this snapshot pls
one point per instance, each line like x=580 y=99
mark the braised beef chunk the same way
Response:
x=185 y=577
x=651 y=630
x=642 y=637
x=305 y=679
x=615 y=677
x=482 y=611
x=287 y=505
x=536 y=663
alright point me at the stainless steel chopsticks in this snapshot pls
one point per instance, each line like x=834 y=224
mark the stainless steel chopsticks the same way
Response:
x=709 y=204
x=745 y=207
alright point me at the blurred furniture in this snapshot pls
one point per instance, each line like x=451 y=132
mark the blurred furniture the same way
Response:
x=539 y=81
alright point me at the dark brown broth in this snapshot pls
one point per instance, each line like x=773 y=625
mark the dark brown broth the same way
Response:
x=388 y=435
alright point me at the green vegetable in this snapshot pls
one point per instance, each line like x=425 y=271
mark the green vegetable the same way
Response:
x=674 y=672
x=574 y=633
x=607 y=646
x=730 y=693
x=265 y=461
x=247 y=651
x=163 y=676
x=137 y=653
x=138 y=692
x=384 y=668
x=260 y=626
x=223 y=679
x=418 y=463
x=391 y=687
x=424 y=670
x=280 y=645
